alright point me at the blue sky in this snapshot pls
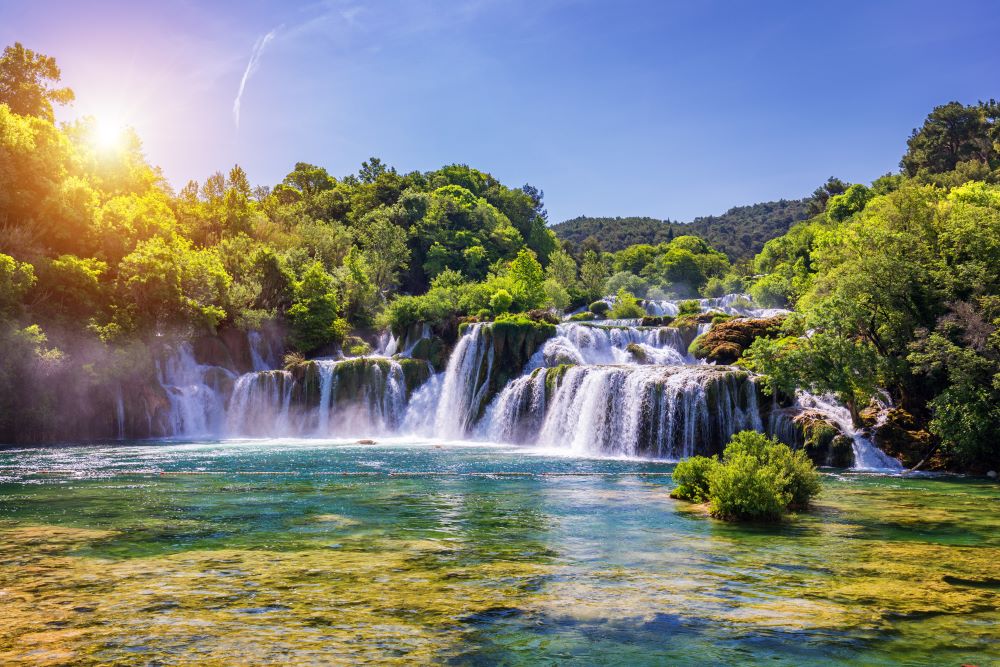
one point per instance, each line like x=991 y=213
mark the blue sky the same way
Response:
x=666 y=109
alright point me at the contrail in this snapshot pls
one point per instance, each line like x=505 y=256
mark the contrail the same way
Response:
x=258 y=49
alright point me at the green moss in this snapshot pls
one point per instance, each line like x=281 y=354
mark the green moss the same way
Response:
x=553 y=377
x=415 y=373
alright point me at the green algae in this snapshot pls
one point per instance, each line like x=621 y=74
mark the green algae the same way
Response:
x=514 y=569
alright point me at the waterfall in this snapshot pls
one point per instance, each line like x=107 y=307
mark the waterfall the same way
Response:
x=327 y=385
x=598 y=344
x=740 y=305
x=196 y=393
x=663 y=411
x=120 y=413
x=867 y=457
x=607 y=388
x=260 y=404
x=465 y=383
x=262 y=356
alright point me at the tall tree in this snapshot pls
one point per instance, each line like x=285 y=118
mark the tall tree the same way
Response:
x=951 y=134
x=25 y=80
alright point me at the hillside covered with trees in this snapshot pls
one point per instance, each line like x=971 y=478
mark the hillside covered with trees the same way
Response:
x=740 y=232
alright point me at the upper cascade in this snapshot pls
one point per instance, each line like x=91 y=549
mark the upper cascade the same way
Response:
x=590 y=388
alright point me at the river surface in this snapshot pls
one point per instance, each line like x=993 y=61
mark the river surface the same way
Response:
x=319 y=552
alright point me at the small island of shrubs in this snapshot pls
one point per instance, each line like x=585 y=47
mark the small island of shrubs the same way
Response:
x=757 y=479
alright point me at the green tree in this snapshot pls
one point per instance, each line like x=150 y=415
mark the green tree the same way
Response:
x=385 y=249
x=314 y=311
x=25 y=82
x=952 y=133
x=526 y=278
x=593 y=275
x=16 y=278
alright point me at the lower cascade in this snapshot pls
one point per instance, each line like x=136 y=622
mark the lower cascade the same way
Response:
x=587 y=388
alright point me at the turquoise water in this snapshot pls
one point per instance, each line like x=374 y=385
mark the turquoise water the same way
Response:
x=313 y=552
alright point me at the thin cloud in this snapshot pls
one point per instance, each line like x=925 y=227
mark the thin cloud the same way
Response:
x=258 y=49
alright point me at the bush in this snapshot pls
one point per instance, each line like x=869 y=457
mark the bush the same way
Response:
x=691 y=307
x=599 y=308
x=626 y=306
x=759 y=474
x=500 y=301
x=758 y=479
x=691 y=476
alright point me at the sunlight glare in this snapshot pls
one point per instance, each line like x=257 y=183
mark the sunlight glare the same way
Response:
x=108 y=134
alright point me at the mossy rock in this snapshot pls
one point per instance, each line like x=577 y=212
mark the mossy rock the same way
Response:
x=553 y=378
x=433 y=350
x=638 y=353
x=415 y=373
x=903 y=436
x=726 y=341
x=823 y=441
x=657 y=320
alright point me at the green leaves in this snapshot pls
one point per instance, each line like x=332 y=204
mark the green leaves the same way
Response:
x=758 y=479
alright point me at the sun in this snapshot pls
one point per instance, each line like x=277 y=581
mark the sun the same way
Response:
x=108 y=133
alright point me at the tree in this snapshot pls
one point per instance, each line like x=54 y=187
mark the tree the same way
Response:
x=593 y=275
x=952 y=133
x=16 y=278
x=526 y=277
x=25 y=79
x=626 y=306
x=313 y=313
x=385 y=249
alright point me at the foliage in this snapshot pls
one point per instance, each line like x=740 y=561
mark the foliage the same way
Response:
x=313 y=313
x=739 y=233
x=24 y=82
x=759 y=479
x=500 y=301
x=954 y=133
x=691 y=476
x=599 y=308
x=626 y=306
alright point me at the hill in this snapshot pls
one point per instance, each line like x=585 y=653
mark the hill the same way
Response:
x=740 y=232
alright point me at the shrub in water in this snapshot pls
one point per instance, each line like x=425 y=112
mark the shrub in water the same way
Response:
x=760 y=478
x=691 y=476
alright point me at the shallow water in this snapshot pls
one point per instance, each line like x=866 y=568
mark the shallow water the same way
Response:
x=333 y=553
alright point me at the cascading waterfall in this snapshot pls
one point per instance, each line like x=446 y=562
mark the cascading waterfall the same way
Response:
x=867 y=457
x=120 y=413
x=465 y=383
x=662 y=411
x=740 y=305
x=195 y=392
x=260 y=404
x=600 y=344
x=262 y=354
x=591 y=388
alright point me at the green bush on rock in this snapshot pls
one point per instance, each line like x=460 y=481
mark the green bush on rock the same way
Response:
x=758 y=479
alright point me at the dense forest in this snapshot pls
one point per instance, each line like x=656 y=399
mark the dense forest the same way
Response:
x=896 y=291
x=895 y=285
x=740 y=232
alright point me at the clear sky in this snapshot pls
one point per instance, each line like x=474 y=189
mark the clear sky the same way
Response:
x=667 y=109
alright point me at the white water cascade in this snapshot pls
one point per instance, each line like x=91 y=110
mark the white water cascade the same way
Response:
x=464 y=385
x=660 y=411
x=867 y=457
x=592 y=388
x=195 y=392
